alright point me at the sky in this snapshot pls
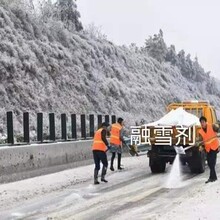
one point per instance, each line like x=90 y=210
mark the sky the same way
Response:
x=192 y=25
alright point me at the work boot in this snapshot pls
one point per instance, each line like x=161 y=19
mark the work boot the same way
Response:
x=119 y=162
x=207 y=181
x=96 y=177
x=104 y=169
x=210 y=180
x=112 y=169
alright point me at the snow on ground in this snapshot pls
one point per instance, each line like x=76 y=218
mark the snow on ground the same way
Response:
x=195 y=200
x=202 y=203
x=26 y=189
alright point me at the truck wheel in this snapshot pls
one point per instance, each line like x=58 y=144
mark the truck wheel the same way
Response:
x=197 y=162
x=157 y=165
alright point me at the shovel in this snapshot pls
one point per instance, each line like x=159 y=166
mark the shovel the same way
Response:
x=131 y=149
x=182 y=150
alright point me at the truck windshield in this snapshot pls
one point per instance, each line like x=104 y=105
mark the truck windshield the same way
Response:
x=195 y=111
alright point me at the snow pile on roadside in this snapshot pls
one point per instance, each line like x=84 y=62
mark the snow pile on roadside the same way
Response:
x=177 y=117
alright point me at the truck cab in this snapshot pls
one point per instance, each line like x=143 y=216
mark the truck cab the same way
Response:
x=198 y=108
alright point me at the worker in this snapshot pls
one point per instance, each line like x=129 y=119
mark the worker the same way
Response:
x=116 y=140
x=208 y=134
x=99 y=148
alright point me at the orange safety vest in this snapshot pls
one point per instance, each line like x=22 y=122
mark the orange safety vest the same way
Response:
x=211 y=137
x=98 y=143
x=115 y=134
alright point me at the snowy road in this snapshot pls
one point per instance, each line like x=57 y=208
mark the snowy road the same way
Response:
x=131 y=193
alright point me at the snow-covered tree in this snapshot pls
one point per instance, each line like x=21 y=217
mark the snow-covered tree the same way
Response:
x=171 y=55
x=95 y=32
x=47 y=10
x=199 y=73
x=156 y=47
x=67 y=12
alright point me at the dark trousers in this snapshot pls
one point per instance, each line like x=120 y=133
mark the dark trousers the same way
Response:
x=119 y=159
x=100 y=156
x=211 y=159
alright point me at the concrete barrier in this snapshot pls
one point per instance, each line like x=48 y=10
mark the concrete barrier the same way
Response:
x=20 y=162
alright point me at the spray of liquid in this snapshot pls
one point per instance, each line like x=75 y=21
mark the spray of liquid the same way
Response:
x=175 y=177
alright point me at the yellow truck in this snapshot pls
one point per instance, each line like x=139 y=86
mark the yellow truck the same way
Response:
x=159 y=154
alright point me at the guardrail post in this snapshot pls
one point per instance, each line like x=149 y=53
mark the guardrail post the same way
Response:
x=73 y=126
x=107 y=119
x=40 y=127
x=26 y=127
x=10 y=129
x=83 y=126
x=63 y=126
x=91 y=125
x=52 y=126
x=113 y=119
x=99 y=121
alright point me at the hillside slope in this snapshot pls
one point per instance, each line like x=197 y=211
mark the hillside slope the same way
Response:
x=46 y=68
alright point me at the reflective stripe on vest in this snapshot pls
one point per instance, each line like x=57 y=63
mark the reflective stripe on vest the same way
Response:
x=211 y=137
x=115 y=134
x=98 y=144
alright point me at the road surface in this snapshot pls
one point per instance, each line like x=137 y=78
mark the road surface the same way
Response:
x=131 y=193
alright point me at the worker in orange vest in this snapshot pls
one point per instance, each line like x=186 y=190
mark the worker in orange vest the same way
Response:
x=99 y=149
x=116 y=140
x=208 y=133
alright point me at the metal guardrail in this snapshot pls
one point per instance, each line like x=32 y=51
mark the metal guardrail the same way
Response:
x=85 y=135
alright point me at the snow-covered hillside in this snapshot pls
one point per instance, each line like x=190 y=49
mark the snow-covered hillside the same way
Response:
x=44 y=67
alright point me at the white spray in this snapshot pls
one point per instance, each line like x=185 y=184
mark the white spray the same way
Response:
x=175 y=177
